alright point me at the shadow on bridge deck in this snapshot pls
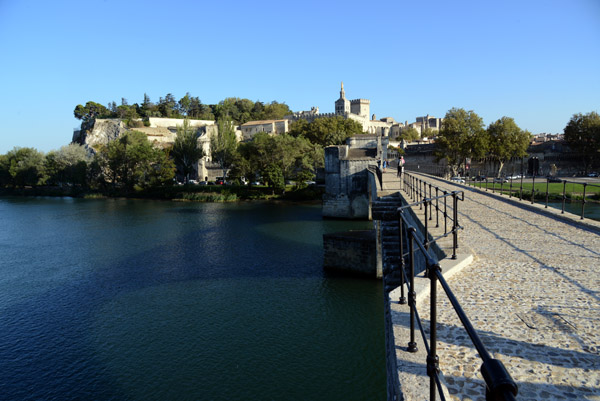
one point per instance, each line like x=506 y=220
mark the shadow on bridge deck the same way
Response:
x=532 y=291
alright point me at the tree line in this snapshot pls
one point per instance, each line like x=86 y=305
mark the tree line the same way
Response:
x=239 y=110
x=131 y=162
x=463 y=136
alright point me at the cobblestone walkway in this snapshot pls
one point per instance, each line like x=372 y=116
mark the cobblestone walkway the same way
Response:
x=533 y=294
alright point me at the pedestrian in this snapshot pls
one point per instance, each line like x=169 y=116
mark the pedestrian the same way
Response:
x=379 y=174
x=384 y=165
x=400 y=166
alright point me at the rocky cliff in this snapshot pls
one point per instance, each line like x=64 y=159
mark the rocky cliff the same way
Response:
x=104 y=131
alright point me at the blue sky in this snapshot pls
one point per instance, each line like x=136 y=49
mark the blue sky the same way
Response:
x=535 y=61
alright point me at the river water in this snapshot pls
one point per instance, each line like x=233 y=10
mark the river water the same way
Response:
x=147 y=300
x=592 y=209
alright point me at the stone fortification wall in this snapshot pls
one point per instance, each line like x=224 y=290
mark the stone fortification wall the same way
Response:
x=157 y=122
x=353 y=251
x=310 y=117
x=360 y=107
x=346 y=184
x=363 y=141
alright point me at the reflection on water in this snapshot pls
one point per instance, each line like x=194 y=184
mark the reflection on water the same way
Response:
x=122 y=299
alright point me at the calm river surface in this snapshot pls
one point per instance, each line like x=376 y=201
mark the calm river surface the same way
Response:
x=148 y=300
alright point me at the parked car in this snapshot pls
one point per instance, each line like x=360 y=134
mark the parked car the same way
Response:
x=460 y=180
x=310 y=183
x=203 y=183
x=553 y=179
x=194 y=182
x=255 y=183
x=500 y=180
x=220 y=182
x=480 y=178
x=515 y=177
x=594 y=174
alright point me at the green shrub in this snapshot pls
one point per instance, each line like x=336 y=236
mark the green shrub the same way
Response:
x=209 y=197
x=134 y=123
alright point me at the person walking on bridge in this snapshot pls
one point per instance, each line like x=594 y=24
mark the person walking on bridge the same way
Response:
x=400 y=166
x=379 y=174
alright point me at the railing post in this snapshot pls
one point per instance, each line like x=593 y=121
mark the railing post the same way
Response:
x=547 y=192
x=402 y=299
x=583 y=201
x=564 y=196
x=437 y=208
x=521 y=189
x=412 y=295
x=455 y=225
x=426 y=227
x=432 y=358
x=510 y=188
x=430 y=204
x=445 y=212
x=533 y=190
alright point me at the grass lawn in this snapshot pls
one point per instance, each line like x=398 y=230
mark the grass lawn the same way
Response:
x=555 y=189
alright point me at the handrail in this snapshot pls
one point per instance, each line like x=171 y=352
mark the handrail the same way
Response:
x=499 y=383
x=416 y=188
x=472 y=182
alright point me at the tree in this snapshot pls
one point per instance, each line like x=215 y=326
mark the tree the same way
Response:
x=428 y=133
x=21 y=167
x=168 y=106
x=275 y=111
x=326 y=131
x=582 y=133
x=278 y=157
x=131 y=161
x=409 y=134
x=91 y=110
x=506 y=140
x=223 y=145
x=186 y=151
x=185 y=104
x=462 y=136
x=67 y=165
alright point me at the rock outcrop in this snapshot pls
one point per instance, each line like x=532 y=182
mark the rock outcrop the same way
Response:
x=104 y=131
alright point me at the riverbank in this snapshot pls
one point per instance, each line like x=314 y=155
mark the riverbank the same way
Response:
x=193 y=193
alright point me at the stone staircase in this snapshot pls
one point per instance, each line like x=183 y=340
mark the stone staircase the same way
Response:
x=384 y=209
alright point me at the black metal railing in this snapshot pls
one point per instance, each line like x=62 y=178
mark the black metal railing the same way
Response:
x=499 y=383
x=419 y=190
x=535 y=193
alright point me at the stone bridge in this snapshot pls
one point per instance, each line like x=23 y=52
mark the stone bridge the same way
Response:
x=528 y=279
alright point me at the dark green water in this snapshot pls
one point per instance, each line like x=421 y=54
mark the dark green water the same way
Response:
x=591 y=211
x=140 y=300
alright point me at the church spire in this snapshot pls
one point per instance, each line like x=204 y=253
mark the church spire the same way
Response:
x=342 y=93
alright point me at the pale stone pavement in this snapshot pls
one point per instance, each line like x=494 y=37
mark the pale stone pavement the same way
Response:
x=533 y=294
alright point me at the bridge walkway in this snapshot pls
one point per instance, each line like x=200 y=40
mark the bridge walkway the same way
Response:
x=532 y=292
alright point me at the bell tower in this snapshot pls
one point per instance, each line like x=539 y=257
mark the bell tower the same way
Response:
x=342 y=105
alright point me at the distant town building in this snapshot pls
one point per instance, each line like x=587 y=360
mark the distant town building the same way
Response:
x=421 y=125
x=251 y=128
x=543 y=137
x=357 y=109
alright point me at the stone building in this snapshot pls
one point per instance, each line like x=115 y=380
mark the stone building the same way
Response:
x=357 y=109
x=251 y=128
x=421 y=125
x=346 y=177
